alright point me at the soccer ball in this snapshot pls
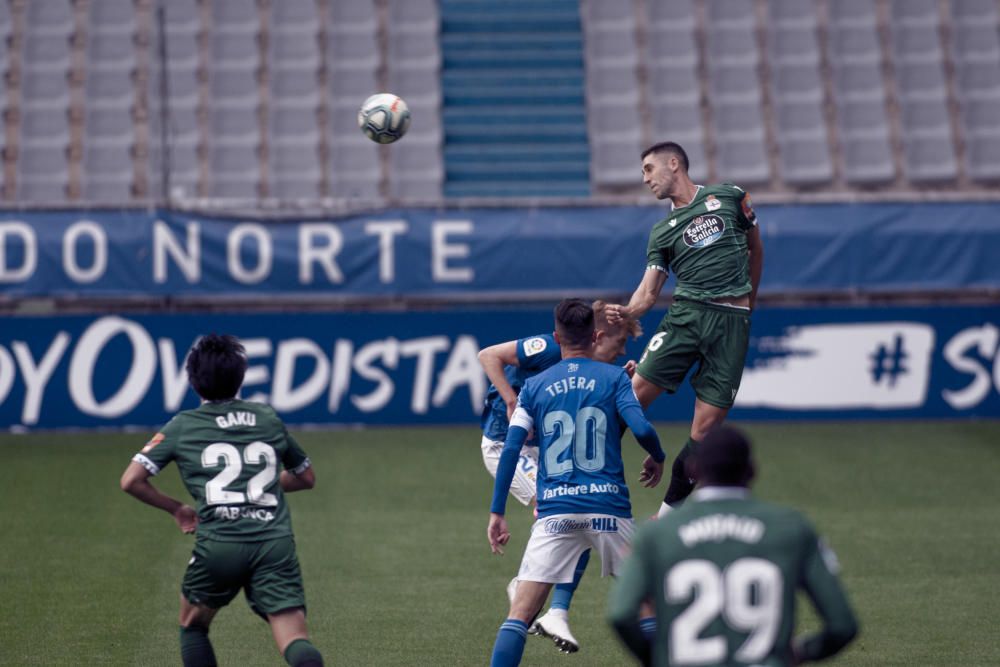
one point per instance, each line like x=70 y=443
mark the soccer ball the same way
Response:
x=384 y=118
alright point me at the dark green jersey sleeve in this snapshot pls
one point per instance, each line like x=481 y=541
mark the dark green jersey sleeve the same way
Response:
x=746 y=218
x=294 y=459
x=627 y=594
x=161 y=448
x=819 y=580
x=658 y=254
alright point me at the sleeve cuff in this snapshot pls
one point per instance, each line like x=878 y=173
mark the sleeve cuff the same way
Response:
x=147 y=463
x=302 y=467
x=655 y=267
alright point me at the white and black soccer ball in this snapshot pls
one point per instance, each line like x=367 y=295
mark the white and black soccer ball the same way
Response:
x=384 y=118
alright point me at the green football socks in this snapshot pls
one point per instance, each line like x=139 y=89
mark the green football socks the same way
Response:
x=196 y=649
x=301 y=653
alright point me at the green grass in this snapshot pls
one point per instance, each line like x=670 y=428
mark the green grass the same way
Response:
x=398 y=571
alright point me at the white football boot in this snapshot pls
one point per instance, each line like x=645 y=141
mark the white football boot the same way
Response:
x=554 y=624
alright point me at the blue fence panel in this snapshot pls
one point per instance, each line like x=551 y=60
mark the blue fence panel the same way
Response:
x=479 y=252
x=421 y=367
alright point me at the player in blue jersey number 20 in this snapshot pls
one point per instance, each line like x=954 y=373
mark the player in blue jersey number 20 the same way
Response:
x=508 y=365
x=575 y=408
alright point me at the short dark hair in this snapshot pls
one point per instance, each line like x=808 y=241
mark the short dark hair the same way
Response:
x=216 y=366
x=723 y=458
x=574 y=322
x=668 y=147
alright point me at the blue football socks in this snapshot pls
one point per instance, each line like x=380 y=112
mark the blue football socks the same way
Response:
x=563 y=593
x=509 y=647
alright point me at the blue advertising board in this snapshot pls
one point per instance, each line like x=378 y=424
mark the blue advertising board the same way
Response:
x=478 y=252
x=421 y=367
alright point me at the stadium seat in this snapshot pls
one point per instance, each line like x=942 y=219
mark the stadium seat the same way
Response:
x=615 y=161
x=106 y=170
x=294 y=166
x=233 y=88
x=54 y=17
x=867 y=158
x=416 y=168
x=353 y=16
x=354 y=167
x=111 y=17
x=929 y=157
x=983 y=157
x=235 y=16
x=42 y=171
x=805 y=161
x=675 y=15
x=414 y=15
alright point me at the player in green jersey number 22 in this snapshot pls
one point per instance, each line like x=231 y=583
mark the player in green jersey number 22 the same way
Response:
x=227 y=452
x=711 y=242
x=723 y=572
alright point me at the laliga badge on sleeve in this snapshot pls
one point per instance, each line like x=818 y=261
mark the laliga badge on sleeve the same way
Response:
x=533 y=346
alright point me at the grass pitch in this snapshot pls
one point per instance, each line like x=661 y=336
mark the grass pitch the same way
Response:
x=397 y=568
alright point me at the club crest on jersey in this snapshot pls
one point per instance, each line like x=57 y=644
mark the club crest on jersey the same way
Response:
x=153 y=442
x=533 y=346
x=712 y=204
x=704 y=231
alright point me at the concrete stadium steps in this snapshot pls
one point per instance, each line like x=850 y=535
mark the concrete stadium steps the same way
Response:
x=514 y=112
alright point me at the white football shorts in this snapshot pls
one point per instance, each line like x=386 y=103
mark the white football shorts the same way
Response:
x=557 y=542
x=523 y=487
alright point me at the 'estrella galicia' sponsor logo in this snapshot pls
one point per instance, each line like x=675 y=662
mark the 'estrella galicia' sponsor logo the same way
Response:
x=704 y=230
x=599 y=524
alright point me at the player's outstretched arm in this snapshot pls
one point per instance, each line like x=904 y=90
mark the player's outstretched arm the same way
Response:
x=493 y=359
x=302 y=481
x=840 y=626
x=135 y=482
x=643 y=298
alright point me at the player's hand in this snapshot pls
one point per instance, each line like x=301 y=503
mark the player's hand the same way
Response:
x=630 y=368
x=511 y=406
x=651 y=472
x=615 y=313
x=186 y=518
x=497 y=533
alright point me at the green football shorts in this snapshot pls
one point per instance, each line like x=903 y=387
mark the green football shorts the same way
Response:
x=712 y=336
x=267 y=570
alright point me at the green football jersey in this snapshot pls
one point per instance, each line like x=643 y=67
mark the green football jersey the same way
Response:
x=228 y=456
x=723 y=571
x=705 y=244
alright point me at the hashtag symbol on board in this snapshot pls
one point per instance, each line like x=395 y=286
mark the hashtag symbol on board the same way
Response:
x=889 y=364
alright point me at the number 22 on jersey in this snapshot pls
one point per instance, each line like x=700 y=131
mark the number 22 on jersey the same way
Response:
x=227 y=455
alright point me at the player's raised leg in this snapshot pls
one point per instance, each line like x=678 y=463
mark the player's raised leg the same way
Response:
x=196 y=648
x=509 y=645
x=555 y=622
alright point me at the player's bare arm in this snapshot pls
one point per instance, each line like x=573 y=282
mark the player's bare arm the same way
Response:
x=135 y=482
x=643 y=298
x=301 y=482
x=755 y=250
x=493 y=359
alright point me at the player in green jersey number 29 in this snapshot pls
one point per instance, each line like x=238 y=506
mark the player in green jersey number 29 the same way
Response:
x=723 y=572
x=711 y=242
x=228 y=452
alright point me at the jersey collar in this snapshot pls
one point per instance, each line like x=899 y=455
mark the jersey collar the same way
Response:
x=720 y=493
x=696 y=193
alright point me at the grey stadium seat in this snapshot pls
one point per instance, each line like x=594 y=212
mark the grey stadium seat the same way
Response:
x=615 y=161
x=929 y=157
x=357 y=16
x=354 y=167
x=42 y=172
x=806 y=161
x=49 y=16
x=107 y=173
